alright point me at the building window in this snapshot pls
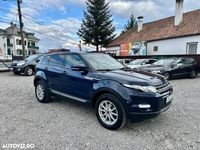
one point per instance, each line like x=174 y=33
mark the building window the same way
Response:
x=17 y=41
x=9 y=51
x=192 y=48
x=19 y=52
x=155 y=48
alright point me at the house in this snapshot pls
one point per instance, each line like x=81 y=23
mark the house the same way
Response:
x=179 y=34
x=10 y=42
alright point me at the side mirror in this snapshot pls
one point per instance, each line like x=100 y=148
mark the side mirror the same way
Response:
x=81 y=68
x=37 y=61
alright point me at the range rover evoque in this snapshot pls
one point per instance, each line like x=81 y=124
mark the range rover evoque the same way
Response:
x=116 y=92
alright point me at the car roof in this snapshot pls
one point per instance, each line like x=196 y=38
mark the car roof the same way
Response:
x=80 y=53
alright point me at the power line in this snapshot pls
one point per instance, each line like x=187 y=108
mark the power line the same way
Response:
x=39 y=23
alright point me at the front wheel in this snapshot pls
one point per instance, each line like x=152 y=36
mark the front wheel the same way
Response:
x=28 y=71
x=193 y=74
x=110 y=112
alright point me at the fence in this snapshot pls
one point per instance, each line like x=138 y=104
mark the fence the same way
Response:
x=4 y=66
x=196 y=57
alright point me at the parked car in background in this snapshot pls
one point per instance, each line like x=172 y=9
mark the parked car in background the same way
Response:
x=140 y=62
x=26 y=66
x=125 y=61
x=174 y=67
x=115 y=92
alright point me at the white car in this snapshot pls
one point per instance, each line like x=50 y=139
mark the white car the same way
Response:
x=140 y=63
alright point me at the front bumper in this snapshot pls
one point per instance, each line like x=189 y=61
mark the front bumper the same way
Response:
x=18 y=69
x=149 y=105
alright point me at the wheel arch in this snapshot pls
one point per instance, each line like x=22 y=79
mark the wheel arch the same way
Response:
x=40 y=76
x=102 y=91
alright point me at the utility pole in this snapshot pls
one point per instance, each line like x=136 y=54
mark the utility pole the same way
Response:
x=80 y=46
x=21 y=27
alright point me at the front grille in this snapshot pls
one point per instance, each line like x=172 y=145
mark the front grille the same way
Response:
x=163 y=88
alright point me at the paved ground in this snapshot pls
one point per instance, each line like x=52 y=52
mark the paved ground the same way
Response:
x=62 y=125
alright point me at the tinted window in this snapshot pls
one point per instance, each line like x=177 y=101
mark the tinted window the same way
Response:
x=32 y=57
x=188 y=61
x=57 y=60
x=74 y=60
x=165 y=62
x=44 y=60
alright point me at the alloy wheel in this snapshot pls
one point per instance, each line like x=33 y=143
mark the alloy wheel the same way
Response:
x=108 y=112
x=40 y=92
x=30 y=71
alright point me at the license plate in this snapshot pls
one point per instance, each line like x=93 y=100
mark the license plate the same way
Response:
x=169 y=99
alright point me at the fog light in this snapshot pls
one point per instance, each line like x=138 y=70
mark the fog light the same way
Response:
x=144 y=106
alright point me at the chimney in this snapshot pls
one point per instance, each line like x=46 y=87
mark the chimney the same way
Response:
x=179 y=12
x=11 y=24
x=140 y=23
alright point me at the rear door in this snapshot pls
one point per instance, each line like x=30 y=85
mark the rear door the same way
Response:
x=56 y=72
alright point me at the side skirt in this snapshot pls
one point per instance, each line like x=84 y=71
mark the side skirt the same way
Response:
x=69 y=96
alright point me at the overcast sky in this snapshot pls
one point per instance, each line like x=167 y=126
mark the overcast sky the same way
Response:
x=62 y=18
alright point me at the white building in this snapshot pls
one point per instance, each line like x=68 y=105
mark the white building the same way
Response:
x=10 y=42
x=179 y=34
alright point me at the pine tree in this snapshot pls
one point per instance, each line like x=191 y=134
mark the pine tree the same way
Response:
x=130 y=24
x=97 y=28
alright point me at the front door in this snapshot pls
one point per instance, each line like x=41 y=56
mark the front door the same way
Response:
x=80 y=85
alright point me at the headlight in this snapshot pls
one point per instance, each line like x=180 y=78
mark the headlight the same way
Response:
x=142 y=88
x=20 y=63
x=156 y=71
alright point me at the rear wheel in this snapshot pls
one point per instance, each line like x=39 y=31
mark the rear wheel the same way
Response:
x=110 y=112
x=42 y=92
x=193 y=74
x=28 y=71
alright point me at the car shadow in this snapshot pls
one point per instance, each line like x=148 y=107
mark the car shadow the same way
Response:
x=87 y=110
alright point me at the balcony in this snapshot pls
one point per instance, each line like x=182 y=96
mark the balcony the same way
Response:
x=10 y=45
x=33 y=47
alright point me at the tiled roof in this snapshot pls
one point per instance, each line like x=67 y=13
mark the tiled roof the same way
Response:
x=162 y=29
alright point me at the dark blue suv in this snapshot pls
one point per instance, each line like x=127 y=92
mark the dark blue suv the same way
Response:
x=115 y=91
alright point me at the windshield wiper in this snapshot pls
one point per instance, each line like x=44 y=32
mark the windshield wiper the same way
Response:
x=104 y=70
x=125 y=68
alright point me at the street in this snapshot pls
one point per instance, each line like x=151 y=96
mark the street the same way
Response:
x=66 y=125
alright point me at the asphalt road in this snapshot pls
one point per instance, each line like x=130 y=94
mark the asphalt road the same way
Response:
x=65 y=125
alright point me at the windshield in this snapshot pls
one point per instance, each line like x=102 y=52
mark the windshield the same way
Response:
x=103 y=62
x=164 y=62
x=136 y=62
x=32 y=57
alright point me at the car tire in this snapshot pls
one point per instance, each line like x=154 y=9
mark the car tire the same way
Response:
x=193 y=74
x=28 y=71
x=167 y=75
x=41 y=92
x=110 y=112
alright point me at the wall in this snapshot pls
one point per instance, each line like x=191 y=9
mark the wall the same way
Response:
x=172 y=46
x=1 y=45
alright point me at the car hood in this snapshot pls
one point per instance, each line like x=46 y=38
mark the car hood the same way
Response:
x=131 y=77
x=155 y=68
